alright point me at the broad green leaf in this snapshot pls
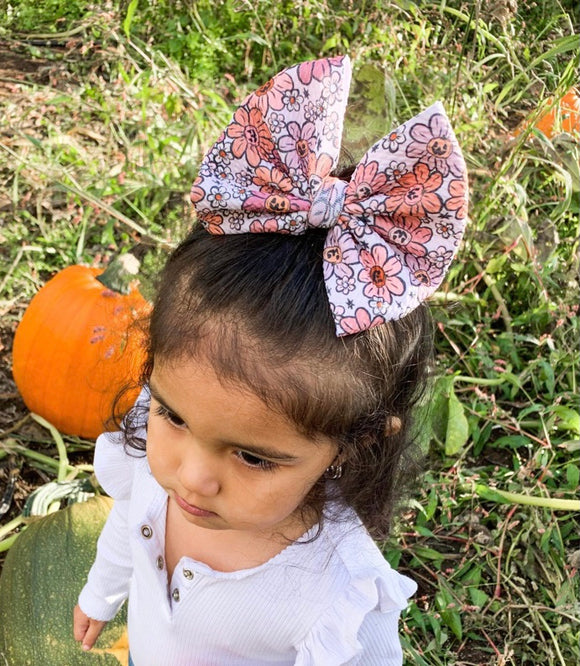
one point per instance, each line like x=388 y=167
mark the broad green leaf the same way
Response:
x=453 y=620
x=457 y=426
x=568 y=419
x=478 y=597
x=573 y=476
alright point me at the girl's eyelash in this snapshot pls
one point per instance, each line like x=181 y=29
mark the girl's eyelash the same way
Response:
x=172 y=418
x=254 y=462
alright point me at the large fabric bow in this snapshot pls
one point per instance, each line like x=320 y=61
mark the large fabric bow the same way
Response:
x=393 y=229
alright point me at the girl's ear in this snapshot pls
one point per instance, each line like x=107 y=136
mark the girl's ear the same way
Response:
x=392 y=426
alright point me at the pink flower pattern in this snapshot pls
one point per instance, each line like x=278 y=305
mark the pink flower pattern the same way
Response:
x=434 y=143
x=393 y=229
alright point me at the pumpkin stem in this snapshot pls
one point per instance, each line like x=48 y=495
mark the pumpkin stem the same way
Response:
x=120 y=273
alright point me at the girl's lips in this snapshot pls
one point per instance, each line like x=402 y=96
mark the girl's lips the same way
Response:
x=193 y=510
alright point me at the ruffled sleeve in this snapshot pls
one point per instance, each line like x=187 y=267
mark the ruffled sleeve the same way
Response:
x=360 y=627
x=113 y=465
x=109 y=579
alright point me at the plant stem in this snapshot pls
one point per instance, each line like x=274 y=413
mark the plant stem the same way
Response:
x=11 y=525
x=7 y=543
x=10 y=446
x=556 y=504
x=61 y=448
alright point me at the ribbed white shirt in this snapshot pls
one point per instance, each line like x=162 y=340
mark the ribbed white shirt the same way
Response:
x=330 y=602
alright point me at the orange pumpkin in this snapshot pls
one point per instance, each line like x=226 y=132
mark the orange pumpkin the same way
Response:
x=75 y=348
x=564 y=116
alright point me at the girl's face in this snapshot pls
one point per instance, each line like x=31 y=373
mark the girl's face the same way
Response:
x=227 y=460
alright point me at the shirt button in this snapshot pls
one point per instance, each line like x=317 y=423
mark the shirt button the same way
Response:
x=146 y=531
x=160 y=562
x=175 y=594
x=188 y=574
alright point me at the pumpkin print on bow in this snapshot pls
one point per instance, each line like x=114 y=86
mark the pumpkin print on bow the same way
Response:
x=393 y=229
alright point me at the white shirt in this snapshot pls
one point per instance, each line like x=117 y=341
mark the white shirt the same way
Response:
x=331 y=602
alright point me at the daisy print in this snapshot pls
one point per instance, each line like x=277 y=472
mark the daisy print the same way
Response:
x=222 y=172
x=395 y=170
x=272 y=179
x=365 y=181
x=445 y=228
x=237 y=220
x=380 y=274
x=331 y=128
x=331 y=87
x=345 y=285
x=268 y=226
x=378 y=306
x=394 y=140
x=339 y=254
x=244 y=178
x=298 y=144
x=404 y=232
x=422 y=272
x=441 y=257
x=239 y=192
x=434 y=144
x=271 y=94
x=212 y=222
x=314 y=110
x=292 y=99
x=251 y=136
x=217 y=197
x=360 y=322
x=276 y=122
x=317 y=69
x=414 y=194
x=457 y=201
x=221 y=156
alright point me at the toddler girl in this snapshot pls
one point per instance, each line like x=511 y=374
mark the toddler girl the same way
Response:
x=272 y=434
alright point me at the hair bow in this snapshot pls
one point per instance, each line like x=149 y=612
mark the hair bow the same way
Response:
x=393 y=229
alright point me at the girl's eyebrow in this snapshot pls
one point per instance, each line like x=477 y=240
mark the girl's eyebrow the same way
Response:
x=155 y=394
x=260 y=451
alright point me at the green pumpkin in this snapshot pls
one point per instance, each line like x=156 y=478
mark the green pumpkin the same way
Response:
x=43 y=574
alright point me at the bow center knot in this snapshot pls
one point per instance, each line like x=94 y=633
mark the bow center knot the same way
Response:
x=327 y=201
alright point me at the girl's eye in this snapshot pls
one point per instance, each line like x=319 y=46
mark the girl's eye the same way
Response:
x=172 y=418
x=254 y=462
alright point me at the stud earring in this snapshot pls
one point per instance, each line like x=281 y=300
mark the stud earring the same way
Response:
x=333 y=472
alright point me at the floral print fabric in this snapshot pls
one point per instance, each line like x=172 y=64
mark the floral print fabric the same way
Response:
x=393 y=229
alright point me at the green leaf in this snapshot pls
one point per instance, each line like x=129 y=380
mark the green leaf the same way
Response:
x=573 y=476
x=457 y=426
x=449 y=615
x=478 y=597
x=453 y=620
x=129 y=17
x=569 y=419
x=427 y=553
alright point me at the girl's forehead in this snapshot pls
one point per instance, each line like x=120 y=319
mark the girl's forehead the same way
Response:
x=221 y=408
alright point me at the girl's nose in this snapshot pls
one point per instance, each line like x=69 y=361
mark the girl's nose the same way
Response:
x=199 y=473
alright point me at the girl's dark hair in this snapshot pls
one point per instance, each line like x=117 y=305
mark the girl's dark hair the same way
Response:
x=255 y=307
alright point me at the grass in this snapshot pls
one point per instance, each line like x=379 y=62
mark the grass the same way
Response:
x=98 y=148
